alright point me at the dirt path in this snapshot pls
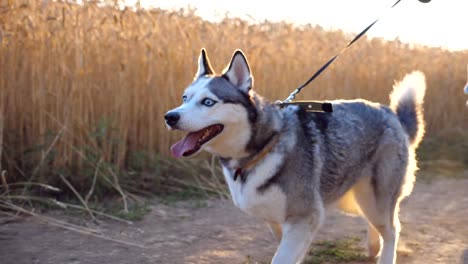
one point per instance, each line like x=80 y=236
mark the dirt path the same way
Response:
x=434 y=220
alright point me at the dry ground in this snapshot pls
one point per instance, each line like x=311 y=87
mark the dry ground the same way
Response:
x=434 y=220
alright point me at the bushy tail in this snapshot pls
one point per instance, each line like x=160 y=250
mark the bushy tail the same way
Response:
x=406 y=101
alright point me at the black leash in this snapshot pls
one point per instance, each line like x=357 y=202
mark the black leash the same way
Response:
x=320 y=106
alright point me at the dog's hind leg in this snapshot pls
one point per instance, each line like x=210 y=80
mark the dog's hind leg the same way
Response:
x=373 y=241
x=383 y=222
x=365 y=197
x=390 y=234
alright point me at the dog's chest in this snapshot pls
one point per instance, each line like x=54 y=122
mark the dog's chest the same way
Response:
x=268 y=204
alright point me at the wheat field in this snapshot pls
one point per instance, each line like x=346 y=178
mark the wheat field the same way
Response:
x=86 y=82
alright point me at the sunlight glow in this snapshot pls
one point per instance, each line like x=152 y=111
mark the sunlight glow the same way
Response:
x=440 y=23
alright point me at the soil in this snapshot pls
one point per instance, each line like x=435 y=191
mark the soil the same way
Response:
x=434 y=220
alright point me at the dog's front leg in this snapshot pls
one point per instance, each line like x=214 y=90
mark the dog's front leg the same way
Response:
x=297 y=237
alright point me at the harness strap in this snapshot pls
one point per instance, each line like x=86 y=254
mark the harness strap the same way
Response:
x=310 y=106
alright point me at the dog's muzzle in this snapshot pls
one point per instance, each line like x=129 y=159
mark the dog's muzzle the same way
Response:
x=172 y=118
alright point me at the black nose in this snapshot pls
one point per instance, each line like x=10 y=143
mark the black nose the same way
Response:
x=172 y=118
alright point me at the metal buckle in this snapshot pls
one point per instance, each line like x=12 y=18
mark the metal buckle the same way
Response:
x=310 y=106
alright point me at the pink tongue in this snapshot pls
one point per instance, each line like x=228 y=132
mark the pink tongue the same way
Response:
x=186 y=144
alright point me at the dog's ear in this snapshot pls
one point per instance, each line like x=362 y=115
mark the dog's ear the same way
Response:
x=238 y=72
x=204 y=66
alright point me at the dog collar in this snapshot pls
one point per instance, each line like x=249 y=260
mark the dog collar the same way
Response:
x=240 y=171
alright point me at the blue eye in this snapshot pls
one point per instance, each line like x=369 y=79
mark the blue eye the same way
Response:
x=208 y=102
x=184 y=98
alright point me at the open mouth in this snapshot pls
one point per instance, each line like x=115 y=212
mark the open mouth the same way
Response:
x=193 y=141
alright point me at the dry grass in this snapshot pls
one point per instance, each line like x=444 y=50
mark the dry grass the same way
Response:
x=84 y=87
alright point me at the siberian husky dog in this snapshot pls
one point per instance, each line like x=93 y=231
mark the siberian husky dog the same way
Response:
x=287 y=166
x=466 y=86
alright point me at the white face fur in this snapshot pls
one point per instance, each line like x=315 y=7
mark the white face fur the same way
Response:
x=194 y=116
x=202 y=108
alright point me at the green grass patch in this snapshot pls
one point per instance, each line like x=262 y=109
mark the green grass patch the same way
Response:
x=190 y=194
x=443 y=156
x=135 y=212
x=337 y=251
x=114 y=207
x=452 y=146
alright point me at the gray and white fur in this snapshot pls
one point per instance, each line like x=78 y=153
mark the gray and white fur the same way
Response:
x=360 y=158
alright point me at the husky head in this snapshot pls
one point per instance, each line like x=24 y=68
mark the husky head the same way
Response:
x=466 y=86
x=216 y=111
